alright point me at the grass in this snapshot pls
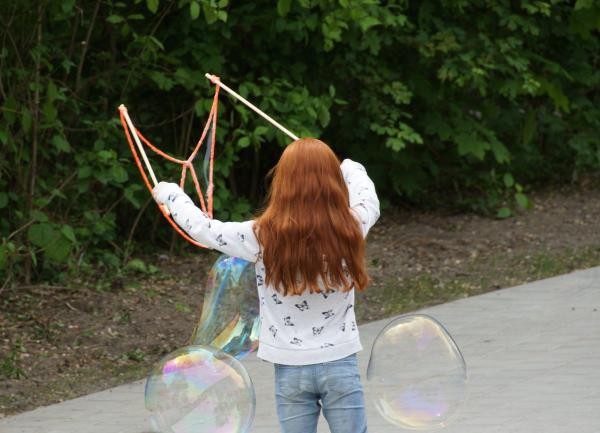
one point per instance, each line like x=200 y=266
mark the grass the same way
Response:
x=67 y=386
x=397 y=296
x=9 y=364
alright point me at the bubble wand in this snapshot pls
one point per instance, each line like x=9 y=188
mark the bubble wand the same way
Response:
x=125 y=114
x=133 y=135
x=217 y=81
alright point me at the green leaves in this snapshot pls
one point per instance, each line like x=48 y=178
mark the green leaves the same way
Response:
x=367 y=22
x=152 y=5
x=522 y=200
x=118 y=173
x=213 y=10
x=56 y=242
x=3 y=256
x=463 y=104
x=60 y=143
x=554 y=91
x=243 y=142
x=115 y=19
x=283 y=7
x=503 y=213
x=139 y=266
x=42 y=235
x=26 y=120
x=195 y=13
x=513 y=197
x=471 y=144
x=584 y=4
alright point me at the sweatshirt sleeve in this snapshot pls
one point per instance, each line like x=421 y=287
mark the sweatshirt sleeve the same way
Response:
x=235 y=239
x=363 y=198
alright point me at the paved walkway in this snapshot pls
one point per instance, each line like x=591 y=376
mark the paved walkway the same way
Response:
x=533 y=357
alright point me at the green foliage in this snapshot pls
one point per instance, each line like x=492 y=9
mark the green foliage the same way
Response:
x=139 y=266
x=9 y=363
x=136 y=355
x=463 y=103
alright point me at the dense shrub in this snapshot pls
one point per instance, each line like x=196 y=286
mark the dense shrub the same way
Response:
x=447 y=102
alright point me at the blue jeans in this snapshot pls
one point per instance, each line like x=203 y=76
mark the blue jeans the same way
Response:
x=301 y=391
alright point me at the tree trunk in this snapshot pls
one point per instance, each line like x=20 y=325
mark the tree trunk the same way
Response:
x=35 y=111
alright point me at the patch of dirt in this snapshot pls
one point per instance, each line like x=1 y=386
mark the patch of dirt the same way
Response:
x=424 y=258
x=57 y=343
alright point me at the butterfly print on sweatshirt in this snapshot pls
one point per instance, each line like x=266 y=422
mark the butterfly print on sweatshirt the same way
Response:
x=276 y=299
x=273 y=330
x=317 y=331
x=326 y=293
x=353 y=325
x=220 y=241
x=328 y=314
x=303 y=306
x=287 y=321
x=324 y=345
x=348 y=307
x=260 y=281
x=241 y=237
x=296 y=341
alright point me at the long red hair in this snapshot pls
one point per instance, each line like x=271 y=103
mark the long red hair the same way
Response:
x=307 y=232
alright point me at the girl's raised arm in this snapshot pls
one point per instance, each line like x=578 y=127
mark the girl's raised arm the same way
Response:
x=232 y=238
x=363 y=198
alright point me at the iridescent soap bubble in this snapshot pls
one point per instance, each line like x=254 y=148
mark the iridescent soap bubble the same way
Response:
x=199 y=389
x=417 y=377
x=230 y=313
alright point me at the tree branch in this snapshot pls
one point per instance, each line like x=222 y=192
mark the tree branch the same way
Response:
x=136 y=221
x=162 y=16
x=54 y=194
x=85 y=47
x=34 y=133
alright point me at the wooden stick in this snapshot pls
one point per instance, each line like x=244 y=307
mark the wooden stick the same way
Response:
x=123 y=109
x=216 y=80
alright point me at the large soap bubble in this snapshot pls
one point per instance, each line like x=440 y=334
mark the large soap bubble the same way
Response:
x=416 y=375
x=199 y=389
x=230 y=313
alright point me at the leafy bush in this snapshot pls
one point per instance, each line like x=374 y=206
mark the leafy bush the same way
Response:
x=447 y=102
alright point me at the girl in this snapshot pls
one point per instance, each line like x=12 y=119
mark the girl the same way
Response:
x=308 y=248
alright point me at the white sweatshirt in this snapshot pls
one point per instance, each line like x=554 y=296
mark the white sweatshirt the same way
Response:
x=295 y=330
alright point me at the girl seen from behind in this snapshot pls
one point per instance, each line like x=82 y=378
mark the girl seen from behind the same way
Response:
x=308 y=248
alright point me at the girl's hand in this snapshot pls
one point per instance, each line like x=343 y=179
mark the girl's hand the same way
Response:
x=163 y=190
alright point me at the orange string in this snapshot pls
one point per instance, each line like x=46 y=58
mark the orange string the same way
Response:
x=186 y=165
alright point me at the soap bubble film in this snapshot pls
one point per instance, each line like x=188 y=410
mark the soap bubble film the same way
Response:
x=198 y=389
x=417 y=377
x=230 y=313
